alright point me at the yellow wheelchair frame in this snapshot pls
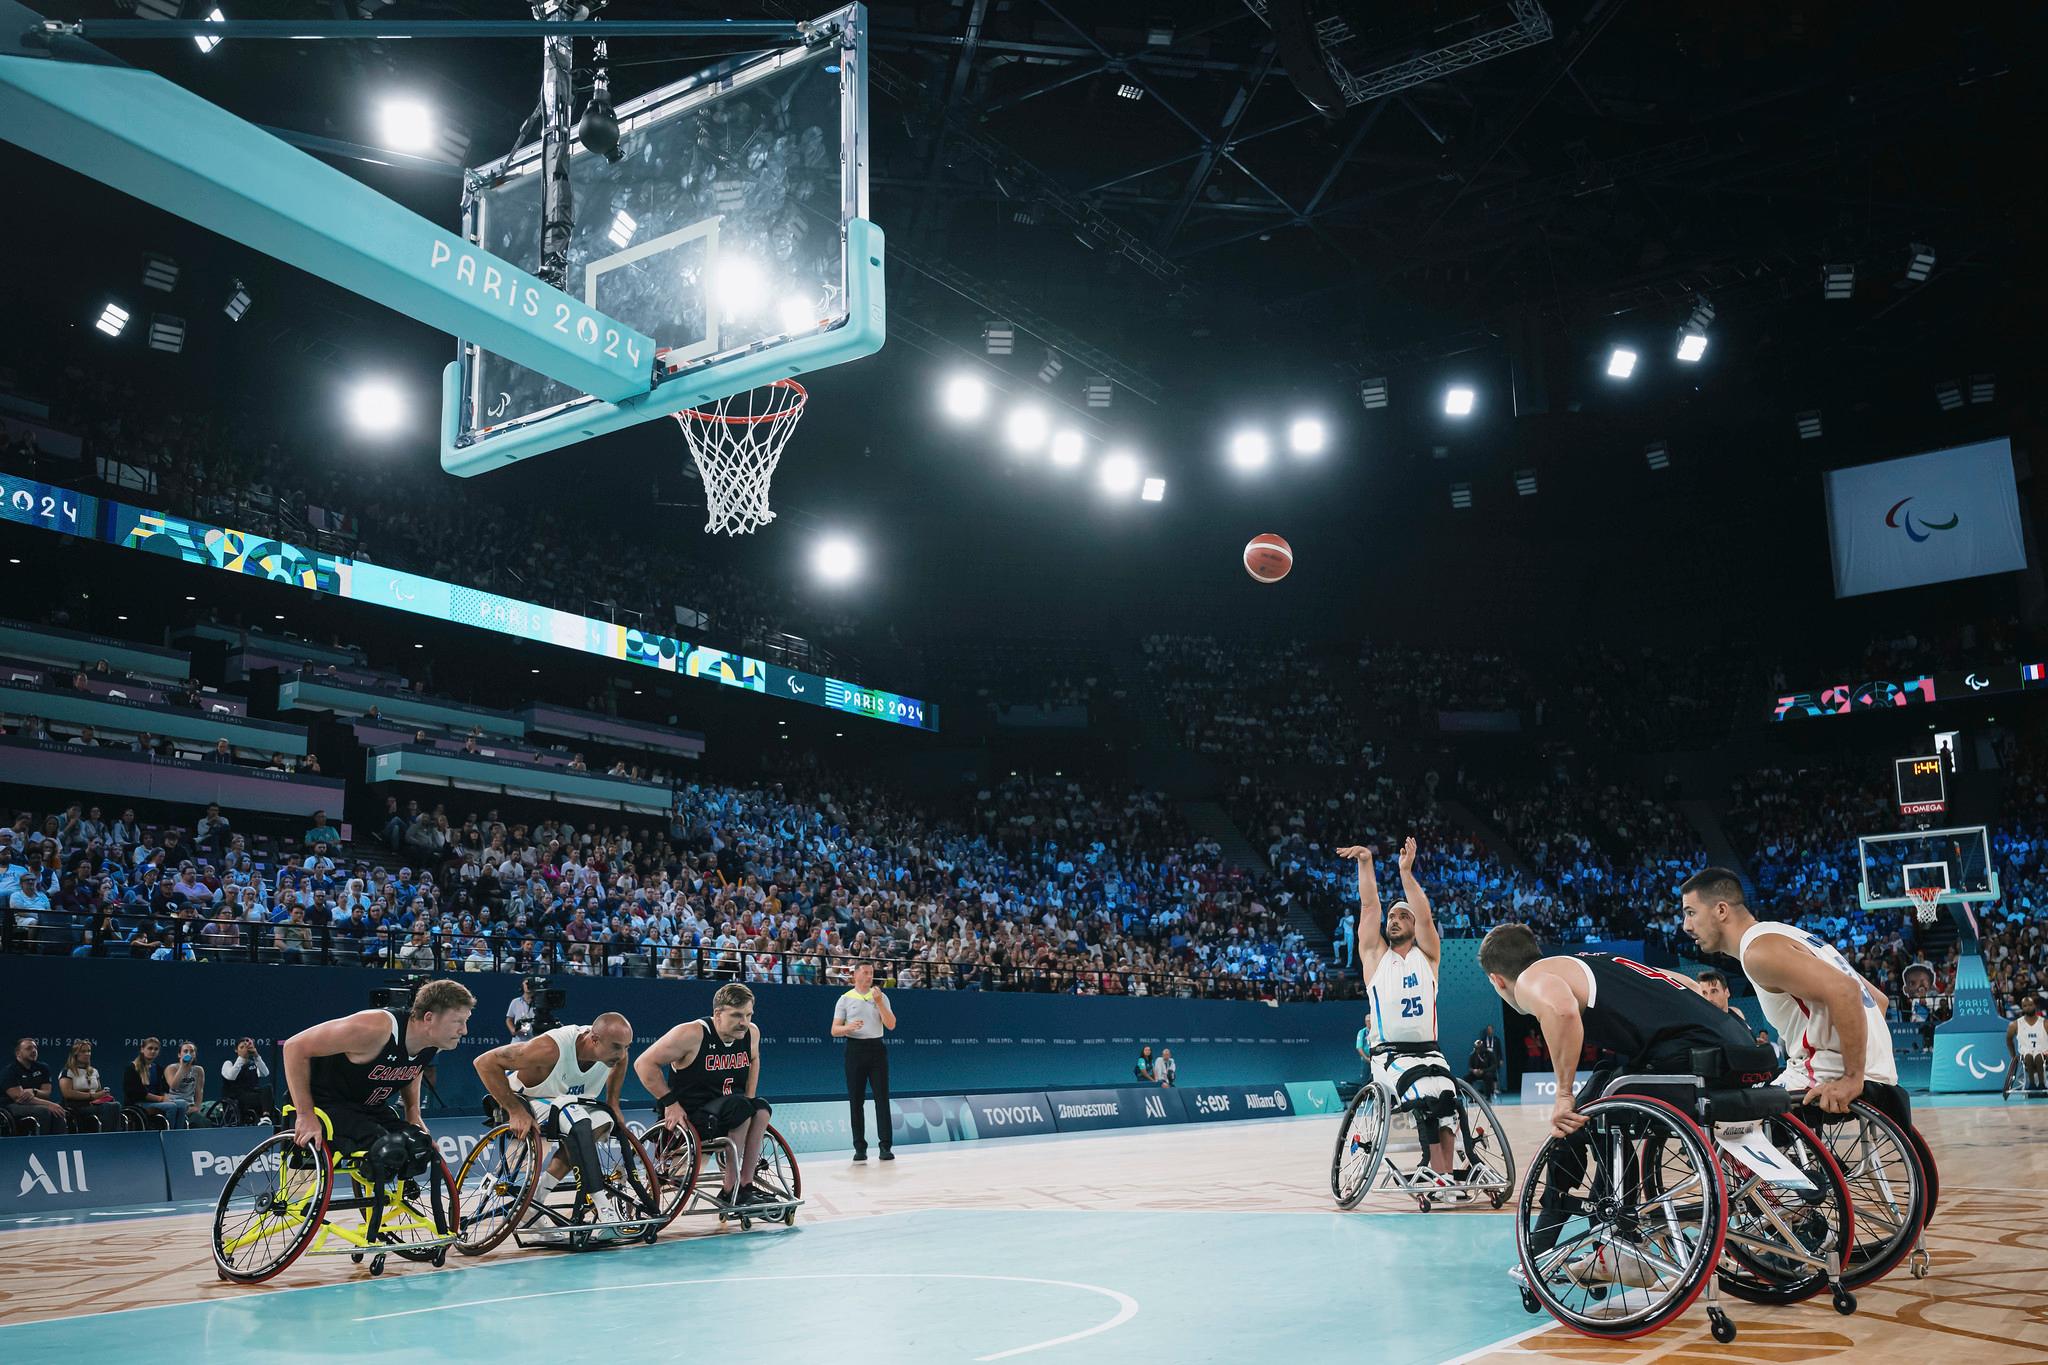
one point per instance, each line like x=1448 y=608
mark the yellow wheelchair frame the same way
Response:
x=291 y=1215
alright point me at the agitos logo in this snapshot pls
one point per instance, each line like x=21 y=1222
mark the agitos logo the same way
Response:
x=1905 y=523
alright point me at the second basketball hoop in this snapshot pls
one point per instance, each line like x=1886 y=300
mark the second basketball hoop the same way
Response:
x=736 y=443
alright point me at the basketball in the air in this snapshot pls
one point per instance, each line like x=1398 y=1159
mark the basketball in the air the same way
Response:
x=1268 y=558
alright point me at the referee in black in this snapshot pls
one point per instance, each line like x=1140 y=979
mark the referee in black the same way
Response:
x=861 y=1017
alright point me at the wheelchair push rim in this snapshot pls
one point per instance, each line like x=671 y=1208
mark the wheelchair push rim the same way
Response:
x=259 y=1231
x=1361 y=1145
x=1650 y=1198
x=495 y=1197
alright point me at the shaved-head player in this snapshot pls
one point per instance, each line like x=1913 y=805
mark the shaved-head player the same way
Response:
x=538 y=1080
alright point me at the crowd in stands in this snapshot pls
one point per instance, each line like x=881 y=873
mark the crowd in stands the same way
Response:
x=1253 y=706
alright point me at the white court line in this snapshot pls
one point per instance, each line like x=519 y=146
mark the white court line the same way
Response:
x=1498 y=1345
x=1127 y=1307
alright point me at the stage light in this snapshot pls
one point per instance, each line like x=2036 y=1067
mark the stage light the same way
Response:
x=1691 y=344
x=1461 y=496
x=166 y=333
x=405 y=125
x=237 y=306
x=739 y=285
x=1525 y=482
x=160 y=272
x=798 y=314
x=624 y=225
x=999 y=337
x=1098 y=392
x=1837 y=281
x=113 y=319
x=207 y=44
x=1657 y=455
x=1458 y=400
x=1949 y=394
x=964 y=397
x=376 y=406
x=1119 y=473
x=1026 y=428
x=837 y=559
x=1983 y=388
x=1250 y=450
x=1066 y=448
x=1305 y=436
x=1153 y=491
x=1621 y=363
x=1130 y=92
x=1919 y=263
x=1373 y=393
x=1050 y=370
x=1809 y=424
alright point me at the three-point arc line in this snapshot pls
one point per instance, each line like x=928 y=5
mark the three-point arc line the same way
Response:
x=1127 y=1307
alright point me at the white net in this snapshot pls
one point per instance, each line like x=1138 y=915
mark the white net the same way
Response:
x=736 y=443
x=1926 y=902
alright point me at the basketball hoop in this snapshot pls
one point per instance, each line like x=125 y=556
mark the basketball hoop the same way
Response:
x=736 y=443
x=1928 y=902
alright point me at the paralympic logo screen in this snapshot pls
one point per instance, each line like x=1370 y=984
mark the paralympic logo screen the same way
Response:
x=1917 y=529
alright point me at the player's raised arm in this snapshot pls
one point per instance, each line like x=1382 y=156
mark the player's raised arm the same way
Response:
x=1371 y=944
x=1426 y=936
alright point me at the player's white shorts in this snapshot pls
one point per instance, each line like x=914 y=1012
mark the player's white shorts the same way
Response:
x=556 y=1115
x=1388 y=1071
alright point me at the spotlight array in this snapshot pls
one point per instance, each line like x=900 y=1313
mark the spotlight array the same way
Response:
x=1028 y=428
x=1458 y=400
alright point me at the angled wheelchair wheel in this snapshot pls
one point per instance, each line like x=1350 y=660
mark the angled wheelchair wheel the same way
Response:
x=221 y=1113
x=271 y=1209
x=495 y=1184
x=1929 y=1169
x=1483 y=1143
x=1887 y=1187
x=1361 y=1145
x=778 y=1174
x=1621 y=1223
x=630 y=1184
x=1781 y=1239
x=678 y=1157
x=422 y=1209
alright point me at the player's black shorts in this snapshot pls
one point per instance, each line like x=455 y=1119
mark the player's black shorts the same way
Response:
x=356 y=1126
x=724 y=1113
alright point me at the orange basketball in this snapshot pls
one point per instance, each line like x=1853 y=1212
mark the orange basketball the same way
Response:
x=1268 y=558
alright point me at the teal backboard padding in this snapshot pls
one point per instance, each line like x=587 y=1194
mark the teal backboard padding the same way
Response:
x=141 y=134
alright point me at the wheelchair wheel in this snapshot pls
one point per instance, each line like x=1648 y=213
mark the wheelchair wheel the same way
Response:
x=1930 y=1170
x=7 y=1125
x=1780 y=1238
x=145 y=1120
x=678 y=1157
x=496 y=1183
x=271 y=1209
x=1622 y=1222
x=1887 y=1187
x=422 y=1208
x=1484 y=1145
x=778 y=1173
x=221 y=1113
x=631 y=1186
x=1361 y=1145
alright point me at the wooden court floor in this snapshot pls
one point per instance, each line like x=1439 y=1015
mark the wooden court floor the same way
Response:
x=1986 y=1302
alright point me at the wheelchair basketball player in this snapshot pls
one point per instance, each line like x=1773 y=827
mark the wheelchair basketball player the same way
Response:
x=2026 y=1042
x=707 y=1070
x=543 y=1081
x=1400 y=967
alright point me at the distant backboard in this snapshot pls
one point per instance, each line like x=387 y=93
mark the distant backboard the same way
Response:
x=732 y=231
x=1957 y=860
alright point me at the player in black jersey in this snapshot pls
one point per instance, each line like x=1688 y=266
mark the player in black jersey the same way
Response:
x=1651 y=1019
x=353 y=1068
x=708 y=1069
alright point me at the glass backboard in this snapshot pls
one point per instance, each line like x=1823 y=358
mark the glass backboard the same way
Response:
x=732 y=230
x=1957 y=860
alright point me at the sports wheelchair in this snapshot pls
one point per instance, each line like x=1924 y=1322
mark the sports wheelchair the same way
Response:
x=1677 y=1184
x=692 y=1173
x=615 y=1196
x=1364 y=1159
x=282 y=1202
x=1893 y=1185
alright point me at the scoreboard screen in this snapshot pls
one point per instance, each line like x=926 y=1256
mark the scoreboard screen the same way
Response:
x=1923 y=788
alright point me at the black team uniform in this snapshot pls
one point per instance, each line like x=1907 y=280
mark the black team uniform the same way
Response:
x=357 y=1095
x=713 y=1088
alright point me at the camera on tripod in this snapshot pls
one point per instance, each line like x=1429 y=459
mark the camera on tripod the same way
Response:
x=397 y=994
x=546 y=1000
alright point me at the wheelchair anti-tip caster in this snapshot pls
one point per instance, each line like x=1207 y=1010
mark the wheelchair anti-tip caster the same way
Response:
x=1920 y=1266
x=1529 y=1304
x=1845 y=1302
x=377 y=1265
x=1723 y=1329
x=355 y=1258
x=440 y=1258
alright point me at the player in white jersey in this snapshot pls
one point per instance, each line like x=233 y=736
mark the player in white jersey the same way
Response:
x=1399 y=967
x=2026 y=1042
x=1838 y=1047
x=544 y=1080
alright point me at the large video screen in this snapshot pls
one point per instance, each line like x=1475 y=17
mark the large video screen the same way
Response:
x=1925 y=519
